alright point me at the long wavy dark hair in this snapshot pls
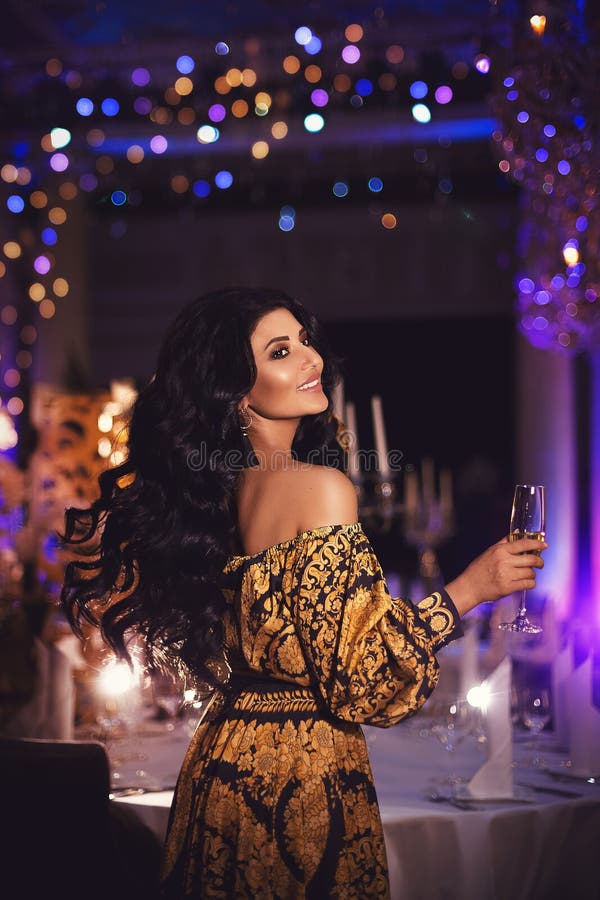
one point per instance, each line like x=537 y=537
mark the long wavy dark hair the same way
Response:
x=153 y=545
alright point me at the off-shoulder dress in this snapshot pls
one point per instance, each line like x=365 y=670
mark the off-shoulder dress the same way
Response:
x=275 y=798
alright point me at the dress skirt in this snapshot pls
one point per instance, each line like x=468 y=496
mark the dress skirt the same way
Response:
x=275 y=800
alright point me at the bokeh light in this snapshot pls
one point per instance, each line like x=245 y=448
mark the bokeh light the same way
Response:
x=421 y=113
x=110 y=107
x=340 y=189
x=303 y=35
x=140 y=77
x=314 y=122
x=223 y=179
x=185 y=65
x=15 y=203
x=351 y=54
x=418 y=90
x=389 y=221
x=260 y=149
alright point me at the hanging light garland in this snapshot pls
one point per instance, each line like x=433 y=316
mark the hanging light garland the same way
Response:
x=548 y=142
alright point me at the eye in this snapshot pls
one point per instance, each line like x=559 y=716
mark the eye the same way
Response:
x=306 y=341
x=280 y=353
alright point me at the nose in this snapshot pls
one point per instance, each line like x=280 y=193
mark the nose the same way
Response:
x=312 y=359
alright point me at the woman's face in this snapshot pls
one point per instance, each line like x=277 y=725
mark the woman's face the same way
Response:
x=288 y=369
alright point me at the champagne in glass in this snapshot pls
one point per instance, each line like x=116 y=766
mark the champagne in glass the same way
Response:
x=528 y=520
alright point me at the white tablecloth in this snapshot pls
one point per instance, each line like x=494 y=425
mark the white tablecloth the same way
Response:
x=540 y=850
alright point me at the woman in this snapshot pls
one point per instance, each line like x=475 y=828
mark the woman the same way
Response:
x=228 y=546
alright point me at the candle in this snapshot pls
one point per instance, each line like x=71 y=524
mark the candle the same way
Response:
x=411 y=492
x=338 y=400
x=538 y=24
x=380 y=438
x=446 y=490
x=427 y=477
x=353 y=461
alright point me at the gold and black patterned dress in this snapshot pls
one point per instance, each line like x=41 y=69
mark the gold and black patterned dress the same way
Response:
x=276 y=798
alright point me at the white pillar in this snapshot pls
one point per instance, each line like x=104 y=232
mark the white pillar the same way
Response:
x=546 y=454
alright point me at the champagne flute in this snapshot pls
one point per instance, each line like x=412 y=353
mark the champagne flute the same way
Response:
x=527 y=521
x=535 y=715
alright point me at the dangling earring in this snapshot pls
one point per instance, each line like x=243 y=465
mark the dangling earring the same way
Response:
x=245 y=425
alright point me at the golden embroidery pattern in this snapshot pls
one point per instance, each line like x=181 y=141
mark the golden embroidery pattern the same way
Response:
x=275 y=798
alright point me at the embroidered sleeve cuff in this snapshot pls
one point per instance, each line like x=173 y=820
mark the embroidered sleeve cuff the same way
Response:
x=442 y=617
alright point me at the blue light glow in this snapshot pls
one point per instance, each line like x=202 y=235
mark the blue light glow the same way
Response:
x=223 y=179
x=49 y=236
x=582 y=223
x=201 y=188
x=286 y=223
x=364 y=87
x=185 y=65
x=340 y=189
x=84 y=106
x=375 y=185
x=118 y=198
x=314 y=45
x=110 y=106
x=287 y=211
x=549 y=130
x=523 y=117
x=541 y=154
x=526 y=285
x=418 y=90
x=15 y=203
x=222 y=49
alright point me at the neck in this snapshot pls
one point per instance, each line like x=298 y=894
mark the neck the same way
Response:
x=272 y=443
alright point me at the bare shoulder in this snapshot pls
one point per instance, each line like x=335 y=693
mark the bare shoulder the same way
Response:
x=324 y=496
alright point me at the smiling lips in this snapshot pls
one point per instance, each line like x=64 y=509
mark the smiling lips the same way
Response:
x=310 y=385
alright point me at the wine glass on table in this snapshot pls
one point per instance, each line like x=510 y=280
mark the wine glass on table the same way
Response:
x=528 y=520
x=535 y=715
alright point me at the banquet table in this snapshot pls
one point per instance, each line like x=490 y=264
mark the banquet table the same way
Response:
x=542 y=847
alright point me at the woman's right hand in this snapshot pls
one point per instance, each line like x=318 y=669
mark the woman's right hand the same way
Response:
x=504 y=568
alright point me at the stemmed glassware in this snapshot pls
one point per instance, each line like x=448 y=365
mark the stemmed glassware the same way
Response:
x=528 y=520
x=535 y=715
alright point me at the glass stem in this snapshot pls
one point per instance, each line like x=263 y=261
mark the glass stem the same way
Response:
x=522 y=614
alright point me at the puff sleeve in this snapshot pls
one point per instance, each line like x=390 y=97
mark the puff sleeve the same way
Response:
x=372 y=657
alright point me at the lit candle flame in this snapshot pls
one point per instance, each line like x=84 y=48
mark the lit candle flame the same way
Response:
x=538 y=24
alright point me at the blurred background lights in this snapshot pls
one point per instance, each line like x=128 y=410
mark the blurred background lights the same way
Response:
x=207 y=134
x=443 y=94
x=571 y=253
x=351 y=54
x=118 y=198
x=158 y=144
x=59 y=162
x=549 y=130
x=115 y=678
x=541 y=154
x=42 y=265
x=389 y=221
x=185 y=65
x=15 y=203
x=353 y=33
x=314 y=122
x=140 y=77
x=363 y=87
x=375 y=185
x=286 y=223
x=319 y=97
x=222 y=49
x=142 y=105
x=291 y=65
x=110 y=107
x=303 y=35
x=59 y=137
x=523 y=117
x=418 y=90
x=217 y=112
x=314 y=45
x=279 y=130
x=581 y=223
x=8 y=435
x=201 y=188
x=60 y=286
x=478 y=696
x=8 y=173
x=340 y=189
x=482 y=63
x=49 y=236
x=260 y=149
x=223 y=179
x=12 y=250
x=564 y=167
x=135 y=153
x=421 y=113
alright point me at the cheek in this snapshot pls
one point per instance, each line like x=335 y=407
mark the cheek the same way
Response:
x=276 y=380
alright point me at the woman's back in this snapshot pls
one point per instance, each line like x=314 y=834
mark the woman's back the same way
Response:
x=276 y=504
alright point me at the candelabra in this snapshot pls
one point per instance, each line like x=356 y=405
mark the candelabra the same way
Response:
x=426 y=516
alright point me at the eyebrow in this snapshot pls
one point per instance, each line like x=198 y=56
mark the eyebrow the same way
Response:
x=283 y=337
